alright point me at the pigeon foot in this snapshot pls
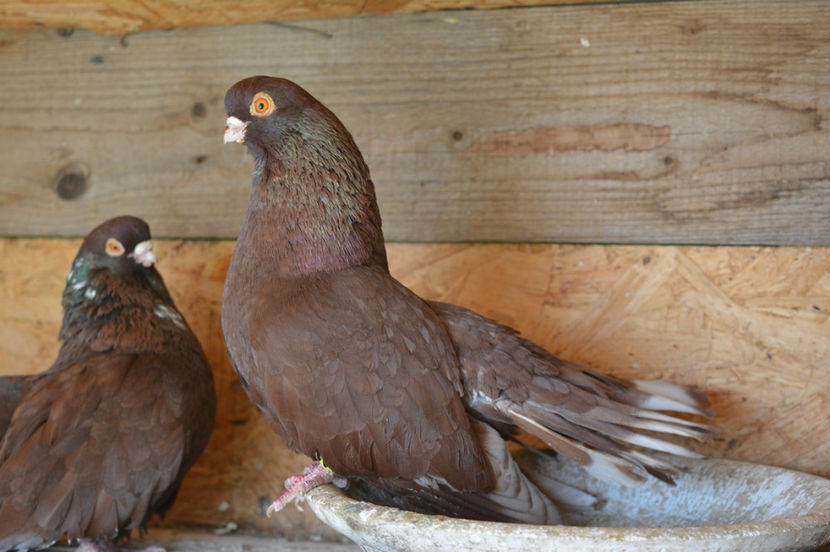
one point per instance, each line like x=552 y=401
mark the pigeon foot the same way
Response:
x=314 y=475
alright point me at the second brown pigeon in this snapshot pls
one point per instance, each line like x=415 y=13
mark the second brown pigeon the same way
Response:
x=101 y=441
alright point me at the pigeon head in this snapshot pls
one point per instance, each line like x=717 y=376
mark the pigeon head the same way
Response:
x=121 y=244
x=114 y=266
x=277 y=119
x=309 y=174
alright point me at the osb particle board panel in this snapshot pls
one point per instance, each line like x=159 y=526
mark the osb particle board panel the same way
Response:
x=141 y=15
x=673 y=123
x=750 y=326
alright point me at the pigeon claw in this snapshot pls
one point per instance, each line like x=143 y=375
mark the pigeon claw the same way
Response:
x=314 y=475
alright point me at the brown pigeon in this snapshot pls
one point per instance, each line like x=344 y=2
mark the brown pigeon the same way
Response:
x=409 y=401
x=102 y=440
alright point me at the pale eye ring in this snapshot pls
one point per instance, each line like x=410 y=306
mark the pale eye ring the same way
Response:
x=262 y=105
x=114 y=248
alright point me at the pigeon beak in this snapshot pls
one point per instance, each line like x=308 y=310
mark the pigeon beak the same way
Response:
x=235 y=130
x=143 y=253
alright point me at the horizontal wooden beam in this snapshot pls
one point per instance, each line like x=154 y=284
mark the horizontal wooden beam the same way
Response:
x=673 y=123
x=749 y=326
x=130 y=16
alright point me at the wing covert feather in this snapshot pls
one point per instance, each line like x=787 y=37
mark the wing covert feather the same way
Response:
x=68 y=469
x=358 y=370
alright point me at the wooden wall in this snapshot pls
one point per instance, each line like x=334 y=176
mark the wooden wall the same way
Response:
x=129 y=16
x=647 y=125
x=668 y=122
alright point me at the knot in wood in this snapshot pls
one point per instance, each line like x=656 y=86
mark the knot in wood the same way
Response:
x=71 y=181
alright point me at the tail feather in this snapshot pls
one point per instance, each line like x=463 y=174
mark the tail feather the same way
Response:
x=595 y=435
x=655 y=466
x=600 y=464
x=605 y=423
x=612 y=430
x=663 y=395
x=651 y=421
x=563 y=494
x=514 y=493
x=647 y=395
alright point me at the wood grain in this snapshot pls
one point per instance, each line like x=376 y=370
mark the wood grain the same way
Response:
x=129 y=16
x=749 y=326
x=673 y=123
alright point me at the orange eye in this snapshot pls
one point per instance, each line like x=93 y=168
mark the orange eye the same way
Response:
x=114 y=248
x=262 y=105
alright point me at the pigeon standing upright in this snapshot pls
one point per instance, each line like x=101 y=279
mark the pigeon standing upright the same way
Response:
x=408 y=401
x=102 y=440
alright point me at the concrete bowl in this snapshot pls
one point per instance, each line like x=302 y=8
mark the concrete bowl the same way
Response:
x=716 y=505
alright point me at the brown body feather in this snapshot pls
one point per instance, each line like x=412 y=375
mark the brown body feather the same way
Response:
x=102 y=440
x=11 y=389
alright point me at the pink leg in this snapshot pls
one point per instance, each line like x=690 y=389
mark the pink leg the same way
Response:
x=89 y=545
x=297 y=486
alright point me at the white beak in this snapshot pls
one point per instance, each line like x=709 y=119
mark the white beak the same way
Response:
x=235 y=130
x=143 y=253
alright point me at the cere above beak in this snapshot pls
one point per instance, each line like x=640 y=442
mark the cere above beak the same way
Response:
x=143 y=253
x=235 y=130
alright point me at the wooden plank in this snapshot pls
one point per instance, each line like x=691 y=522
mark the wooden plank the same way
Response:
x=680 y=122
x=750 y=326
x=129 y=16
